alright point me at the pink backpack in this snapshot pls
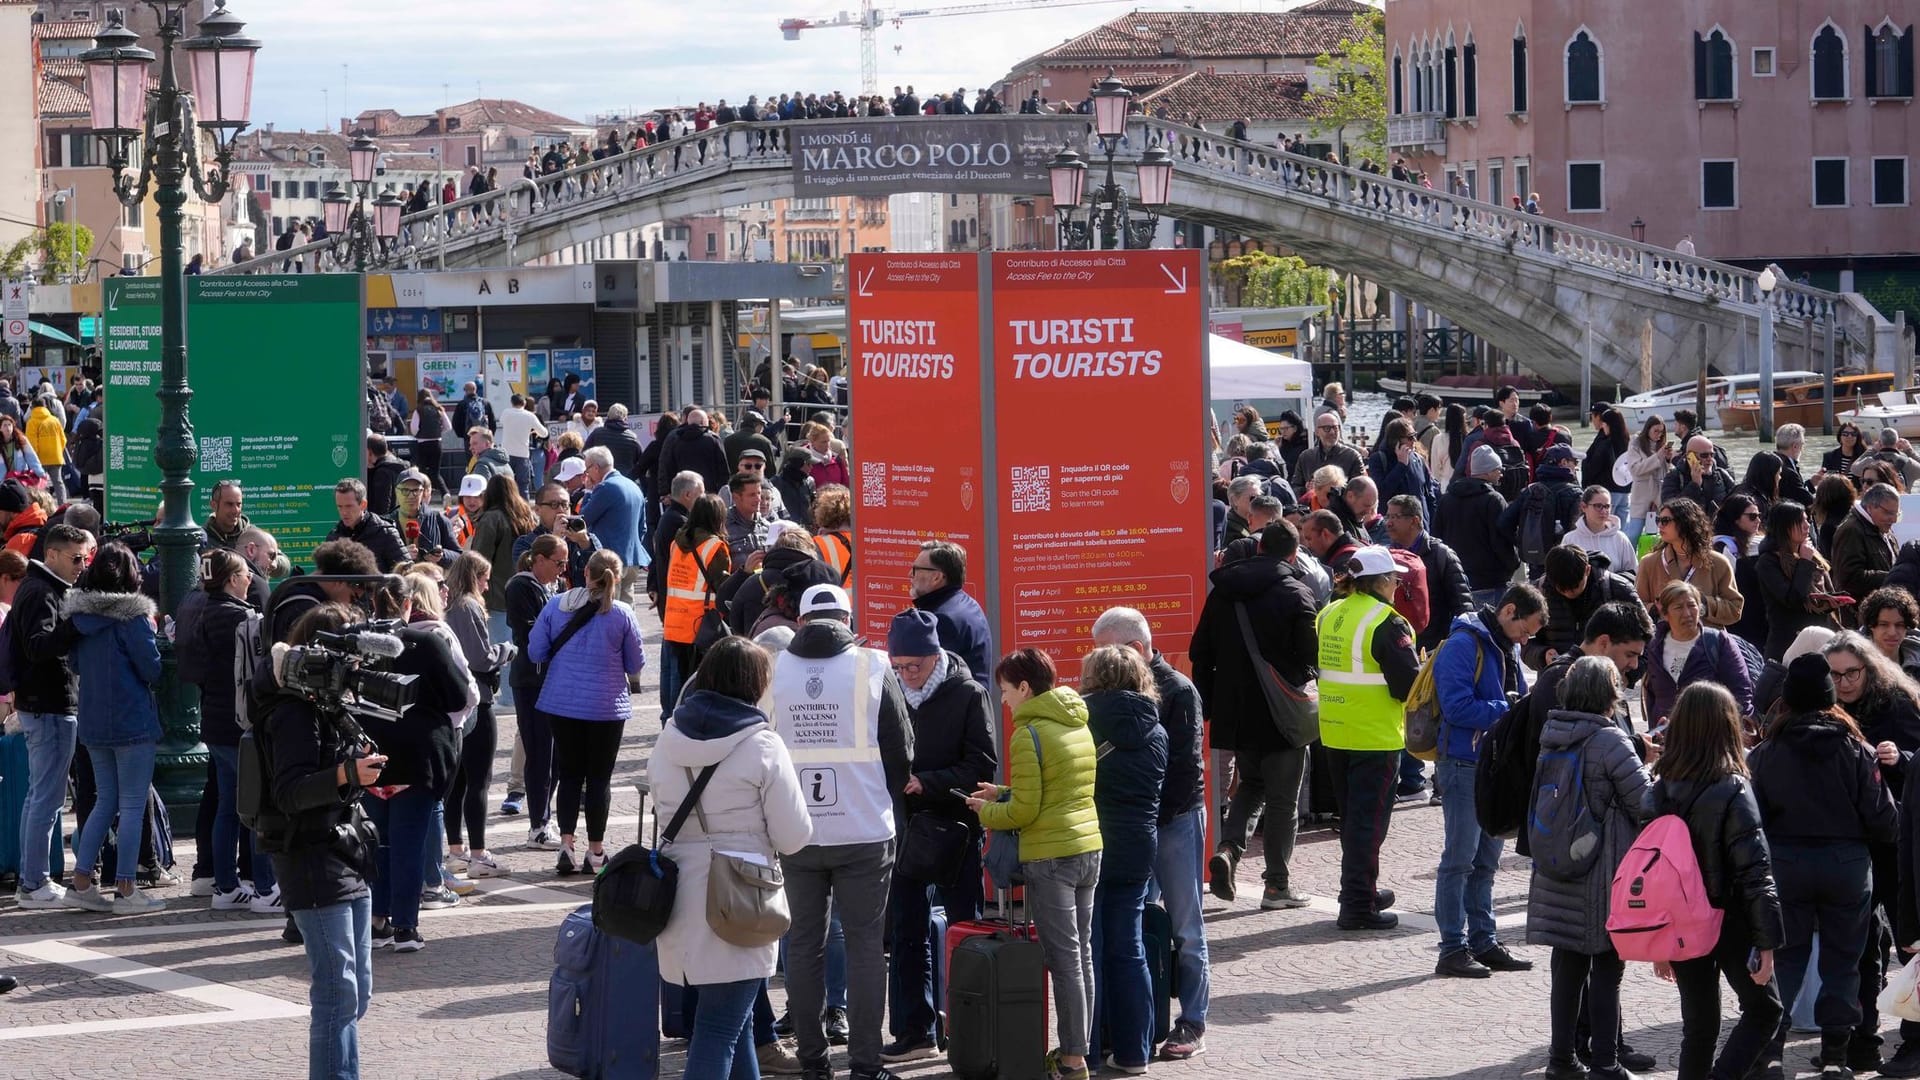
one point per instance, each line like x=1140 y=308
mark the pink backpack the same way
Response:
x=1659 y=907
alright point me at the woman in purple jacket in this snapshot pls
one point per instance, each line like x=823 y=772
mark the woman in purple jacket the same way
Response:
x=590 y=644
x=1684 y=651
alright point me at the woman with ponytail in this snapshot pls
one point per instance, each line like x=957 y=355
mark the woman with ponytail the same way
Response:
x=540 y=574
x=589 y=642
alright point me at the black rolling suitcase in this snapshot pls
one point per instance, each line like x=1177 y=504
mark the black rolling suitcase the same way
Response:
x=997 y=1004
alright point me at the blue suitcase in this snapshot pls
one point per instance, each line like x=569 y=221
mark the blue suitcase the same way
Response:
x=937 y=942
x=13 y=801
x=603 y=1004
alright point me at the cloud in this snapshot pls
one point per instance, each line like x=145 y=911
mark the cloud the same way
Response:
x=586 y=57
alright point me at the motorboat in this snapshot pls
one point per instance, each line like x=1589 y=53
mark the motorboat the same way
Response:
x=1894 y=411
x=1477 y=389
x=1802 y=403
x=1721 y=389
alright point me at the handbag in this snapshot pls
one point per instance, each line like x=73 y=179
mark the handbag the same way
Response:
x=1002 y=859
x=932 y=849
x=746 y=893
x=633 y=896
x=713 y=622
x=1295 y=710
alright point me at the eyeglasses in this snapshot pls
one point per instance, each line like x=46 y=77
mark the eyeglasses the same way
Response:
x=553 y=504
x=908 y=667
x=1663 y=519
x=917 y=568
x=1846 y=674
x=1326 y=427
x=1600 y=506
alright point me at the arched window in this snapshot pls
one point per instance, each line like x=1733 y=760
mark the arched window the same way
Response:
x=1713 y=67
x=1829 y=64
x=1449 y=72
x=1889 y=62
x=1399 y=99
x=1469 y=80
x=1583 y=68
x=1519 y=71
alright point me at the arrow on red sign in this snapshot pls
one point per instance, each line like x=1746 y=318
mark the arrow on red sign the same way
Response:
x=865 y=280
x=1179 y=283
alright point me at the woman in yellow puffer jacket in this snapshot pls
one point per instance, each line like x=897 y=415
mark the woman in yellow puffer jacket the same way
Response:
x=1051 y=764
x=49 y=441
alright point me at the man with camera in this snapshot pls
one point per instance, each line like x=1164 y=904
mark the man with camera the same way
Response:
x=551 y=507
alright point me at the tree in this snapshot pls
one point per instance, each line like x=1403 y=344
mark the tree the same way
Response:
x=65 y=249
x=1357 y=95
x=1268 y=280
x=14 y=259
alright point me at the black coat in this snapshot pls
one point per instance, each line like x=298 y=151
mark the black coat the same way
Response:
x=206 y=650
x=1890 y=717
x=652 y=484
x=697 y=450
x=1735 y=864
x=1567 y=618
x=314 y=871
x=1449 y=593
x=1906 y=568
x=620 y=441
x=381 y=478
x=1126 y=789
x=749 y=599
x=1793 y=485
x=40 y=639
x=422 y=748
x=526 y=598
x=1186 y=786
x=1784 y=582
x=962 y=626
x=1468 y=520
x=1281 y=608
x=379 y=536
x=796 y=494
x=673 y=518
x=1816 y=784
x=290 y=600
x=952 y=744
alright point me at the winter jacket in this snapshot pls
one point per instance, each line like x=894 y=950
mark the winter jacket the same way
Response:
x=40 y=639
x=795 y=489
x=435 y=535
x=1621 y=556
x=1597 y=466
x=48 y=436
x=23 y=533
x=743 y=440
x=206 y=652
x=1185 y=787
x=305 y=753
x=1281 y=609
x=1862 y=555
x=1817 y=785
x=620 y=441
x=690 y=448
x=1647 y=471
x=1469 y=705
x=1317 y=455
x=952 y=743
x=379 y=536
x=1786 y=581
x=587 y=678
x=962 y=628
x=673 y=518
x=1468 y=520
x=1890 y=717
x=290 y=600
x=749 y=601
x=615 y=513
x=1708 y=571
x=1793 y=485
x=1714 y=658
x=1567 y=617
x=423 y=748
x=1394 y=478
x=1906 y=568
x=1906 y=907
x=118 y=658
x=1050 y=798
x=1131 y=767
x=526 y=599
x=753 y=803
x=1573 y=914
x=1680 y=483
x=1559 y=501
x=1724 y=822
x=493 y=537
x=490 y=463
x=382 y=477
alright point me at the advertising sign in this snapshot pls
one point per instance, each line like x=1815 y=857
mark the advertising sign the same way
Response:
x=565 y=362
x=982 y=154
x=446 y=373
x=506 y=374
x=913 y=325
x=1081 y=525
x=306 y=330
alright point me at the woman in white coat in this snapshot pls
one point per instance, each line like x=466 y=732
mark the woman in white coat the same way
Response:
x=753 y=804
x=1644 y=465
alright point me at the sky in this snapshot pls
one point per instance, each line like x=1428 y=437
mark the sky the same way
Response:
x=328 y=59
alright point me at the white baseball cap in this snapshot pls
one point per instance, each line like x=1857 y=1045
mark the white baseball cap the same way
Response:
x=473 y=484
x=821 y=598
x=1371 y=560
x=570 y=469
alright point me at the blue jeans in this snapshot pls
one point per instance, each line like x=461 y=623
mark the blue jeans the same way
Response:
x=522 y=475
x=911 y=1007
x=120 y=778
x=676 y=666
x=1177 y=867
x=1123 y=989
x=226 y=829
x=403 y=822
x=1622 y=502
x=1463 y=891
x=722 y=1042
x=497 y=632
x=432 y=854
x=836 y=959
x=1488 y=597
x=1413 y=774
x=339 y=943
x=49 y=752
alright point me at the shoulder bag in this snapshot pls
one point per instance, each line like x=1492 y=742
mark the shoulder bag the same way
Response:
x=746 y=892
x=633 y=896
x=932 y=849
x=1295 y=710
x=574 y=625
x=713 y=623
x=1002 y=860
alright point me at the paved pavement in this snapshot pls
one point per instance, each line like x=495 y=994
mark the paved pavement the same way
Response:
x=177 y=993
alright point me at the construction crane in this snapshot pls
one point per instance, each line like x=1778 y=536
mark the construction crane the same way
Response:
x=869 y=19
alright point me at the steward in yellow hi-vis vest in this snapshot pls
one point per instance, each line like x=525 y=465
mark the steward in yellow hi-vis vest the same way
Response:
x=1367 y=666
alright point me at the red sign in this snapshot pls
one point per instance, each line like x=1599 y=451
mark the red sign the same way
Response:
x=913 y=326
x=1100 y=438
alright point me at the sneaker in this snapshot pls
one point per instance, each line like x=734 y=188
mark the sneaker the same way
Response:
x=908 y=1048
x=457 y=886
x=8 y=983
x=1564 y=1070
x=87 y=899
x=41 y=899
x=838 y=1030
x=1281 y=897
x=202 y=886
x=880 y=1072
x=456 y=861
x=544 y=839
x=239 y=899
x=1183 y=1042
x=270 y=904
x=291 y=934
x=434 y=900
x=1411 y=795
x=1499 y=958
x=1058 y=1071
x=778 y=1059
x=158 y=876
x=593 y=862
x=1634 y=1060
x=137 y=903
x=513 y=802
x=383 y=936
x=485 y=866
x=1368 y=920
x=1220 y=870
x=1461 y=964
x=408 y=941
x=1127 y=1070
x=565 y=866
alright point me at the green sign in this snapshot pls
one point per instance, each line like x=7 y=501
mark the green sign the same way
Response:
x=277 y=370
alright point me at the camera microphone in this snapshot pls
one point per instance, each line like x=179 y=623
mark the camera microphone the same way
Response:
x=382 y=645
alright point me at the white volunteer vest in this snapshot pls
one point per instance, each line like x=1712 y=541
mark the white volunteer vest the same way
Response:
x=827 y=711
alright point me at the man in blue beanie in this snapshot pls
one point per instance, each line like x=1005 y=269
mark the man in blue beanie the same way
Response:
x=940 y=842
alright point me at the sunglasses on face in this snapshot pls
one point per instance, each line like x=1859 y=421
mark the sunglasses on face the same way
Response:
x=553 y=505
x=1663 y=520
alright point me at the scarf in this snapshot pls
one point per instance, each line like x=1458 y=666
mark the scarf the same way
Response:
x=820 y=458
x=917 y=698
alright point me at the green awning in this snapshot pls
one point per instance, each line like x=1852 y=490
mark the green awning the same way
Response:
x=46 y=331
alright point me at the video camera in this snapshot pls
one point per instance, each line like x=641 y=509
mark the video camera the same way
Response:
x=351 y=671
x=136 y=535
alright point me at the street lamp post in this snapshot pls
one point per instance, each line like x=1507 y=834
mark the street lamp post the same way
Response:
x=1109 y=214
x=346 y=217
x=1766 y=283
x=158 y=123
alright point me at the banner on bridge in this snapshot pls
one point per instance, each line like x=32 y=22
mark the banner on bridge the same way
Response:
x=951 y=154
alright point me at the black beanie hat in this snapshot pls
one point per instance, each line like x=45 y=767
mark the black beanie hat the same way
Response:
x=1809 y=685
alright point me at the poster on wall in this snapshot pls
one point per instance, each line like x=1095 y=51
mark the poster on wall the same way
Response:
x=579 y=362
x=445 y=373
x=506 y=375
x=538 y=368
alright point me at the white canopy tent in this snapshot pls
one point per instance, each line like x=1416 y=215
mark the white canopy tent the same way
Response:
x=1238 y=373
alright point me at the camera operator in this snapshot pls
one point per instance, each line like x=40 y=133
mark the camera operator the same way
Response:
x=423 y=750
x=323 y=853
x=556 y=519
x=297 y=596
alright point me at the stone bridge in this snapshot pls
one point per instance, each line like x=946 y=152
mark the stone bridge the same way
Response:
x=1561 y=299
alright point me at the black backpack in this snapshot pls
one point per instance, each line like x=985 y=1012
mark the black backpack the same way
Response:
x=1514 y=473
x=1541 y=527
x=1503 y=782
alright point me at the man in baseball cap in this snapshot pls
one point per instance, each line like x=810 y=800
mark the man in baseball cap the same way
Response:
x=840 y=710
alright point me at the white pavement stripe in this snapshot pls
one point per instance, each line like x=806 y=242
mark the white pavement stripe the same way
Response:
x=230 y=1003
x=531 y=894
x=1415 y=920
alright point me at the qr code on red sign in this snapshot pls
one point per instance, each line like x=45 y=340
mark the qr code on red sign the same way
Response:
x=1032 y=489
x=873 y=483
